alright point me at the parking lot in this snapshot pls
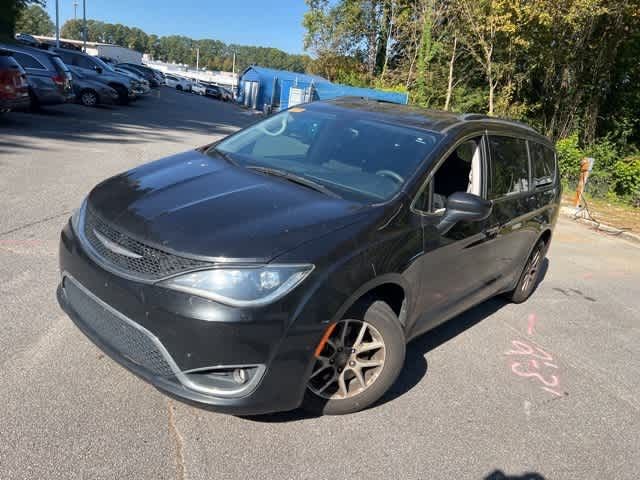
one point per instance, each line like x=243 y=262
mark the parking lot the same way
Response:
x=543 y=390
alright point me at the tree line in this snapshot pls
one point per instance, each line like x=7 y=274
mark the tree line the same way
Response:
x=568 y=67
x=214 y=54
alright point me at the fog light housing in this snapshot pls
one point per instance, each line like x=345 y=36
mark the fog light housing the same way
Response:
x=240 y=376
x=231 y=381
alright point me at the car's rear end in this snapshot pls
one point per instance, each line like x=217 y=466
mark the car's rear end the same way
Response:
x=14 y=88
x=63 y=79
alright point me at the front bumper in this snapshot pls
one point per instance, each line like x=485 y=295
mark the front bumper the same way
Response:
x=175 y=334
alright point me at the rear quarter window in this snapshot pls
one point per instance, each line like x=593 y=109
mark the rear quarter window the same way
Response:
x=509 y=166
x=27 y=61
x=543 y=164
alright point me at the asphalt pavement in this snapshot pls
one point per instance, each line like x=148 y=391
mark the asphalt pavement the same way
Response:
x=549 y=389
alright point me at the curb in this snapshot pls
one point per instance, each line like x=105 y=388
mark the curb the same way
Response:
x=570 y=212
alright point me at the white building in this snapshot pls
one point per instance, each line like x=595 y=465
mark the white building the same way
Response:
x=116 y=52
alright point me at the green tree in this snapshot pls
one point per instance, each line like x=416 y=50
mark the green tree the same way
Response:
x=9 y=13
x=34 y=20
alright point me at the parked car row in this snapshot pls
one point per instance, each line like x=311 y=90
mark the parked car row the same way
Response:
x=205 y=89
x=34 y=76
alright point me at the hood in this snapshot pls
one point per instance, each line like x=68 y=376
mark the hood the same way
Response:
x=194 y=204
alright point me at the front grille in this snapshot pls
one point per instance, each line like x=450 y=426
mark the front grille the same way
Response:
x=116 y=332
x=153 y=264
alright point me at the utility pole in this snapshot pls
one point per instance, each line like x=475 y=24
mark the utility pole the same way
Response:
x=58 y=23
x=75 y=9
x=84 y=26
x=233 y=73
x=198 y=65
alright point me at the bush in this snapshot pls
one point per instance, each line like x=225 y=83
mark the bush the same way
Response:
x=569 y=156
x=611 y=175
x=626 y=177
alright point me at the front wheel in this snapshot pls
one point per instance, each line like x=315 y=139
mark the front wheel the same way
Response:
x=359 y=362
x=89 y=98
x=530 y=275
x=123 y=94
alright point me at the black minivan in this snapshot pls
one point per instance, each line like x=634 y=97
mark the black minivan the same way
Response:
x=290 y=263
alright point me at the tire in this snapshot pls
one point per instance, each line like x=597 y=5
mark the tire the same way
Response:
x=34 y=105
x=530 y=275
x=382 y=325
x=89 y=98
x=179 y=88
x=123 y=94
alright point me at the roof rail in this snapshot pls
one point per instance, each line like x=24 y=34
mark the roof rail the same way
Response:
x=480 y=116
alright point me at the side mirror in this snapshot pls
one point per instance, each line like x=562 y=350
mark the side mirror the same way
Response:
x=98 y=69
x=464 y=207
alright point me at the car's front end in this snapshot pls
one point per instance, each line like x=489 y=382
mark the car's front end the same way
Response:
x=208 y=309
x=242 y=360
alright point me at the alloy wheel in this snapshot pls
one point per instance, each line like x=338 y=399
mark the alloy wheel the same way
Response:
x=531 y=272
x=350 y=362
x=89 y=99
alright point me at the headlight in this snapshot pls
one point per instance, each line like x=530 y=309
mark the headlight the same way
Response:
x=76 y=217
x=242 y=286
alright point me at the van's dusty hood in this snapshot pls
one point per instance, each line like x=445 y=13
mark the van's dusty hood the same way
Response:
x=199 y=205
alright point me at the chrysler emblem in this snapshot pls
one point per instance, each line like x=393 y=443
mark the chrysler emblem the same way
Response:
x=114 y=247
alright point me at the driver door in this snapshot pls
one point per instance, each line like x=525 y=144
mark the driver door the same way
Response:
x=457 y=266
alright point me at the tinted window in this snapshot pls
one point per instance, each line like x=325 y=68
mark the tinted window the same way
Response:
x=347 y=152
x=66 y=57
x=543 y=164
x=509 y=166
x=27 y=61
x=83 y=62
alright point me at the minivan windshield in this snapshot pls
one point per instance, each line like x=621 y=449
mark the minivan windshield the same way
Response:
x=349 y=153
x=104 y=65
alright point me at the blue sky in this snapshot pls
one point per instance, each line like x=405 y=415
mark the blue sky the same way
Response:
x=268 y=23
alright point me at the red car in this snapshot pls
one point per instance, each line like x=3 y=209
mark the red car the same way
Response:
x=14 y=89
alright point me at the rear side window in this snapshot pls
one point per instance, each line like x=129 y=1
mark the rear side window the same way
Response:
x=509 y=166
x=27 y=61
x=543 y=164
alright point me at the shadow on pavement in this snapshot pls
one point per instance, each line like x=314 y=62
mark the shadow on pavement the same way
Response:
x=500 y=475
x=163 y=115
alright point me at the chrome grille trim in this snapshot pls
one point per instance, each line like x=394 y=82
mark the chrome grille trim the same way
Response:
x=141 y=262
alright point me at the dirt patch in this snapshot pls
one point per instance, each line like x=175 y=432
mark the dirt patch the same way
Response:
x=623 y=217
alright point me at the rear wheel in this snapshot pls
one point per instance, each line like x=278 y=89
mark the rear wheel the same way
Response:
x=361 y=359
x=179 y=88
x=89 y=98
x=530 y=275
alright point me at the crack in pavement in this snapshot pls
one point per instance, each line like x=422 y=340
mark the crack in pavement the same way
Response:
x=37 y=222
x=179 y=441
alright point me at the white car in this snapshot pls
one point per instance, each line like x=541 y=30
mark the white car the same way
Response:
x=179 y=83
x=199 y=88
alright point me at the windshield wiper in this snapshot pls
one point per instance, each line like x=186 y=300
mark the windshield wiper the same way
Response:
x=292 y=177
x=224 y=156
